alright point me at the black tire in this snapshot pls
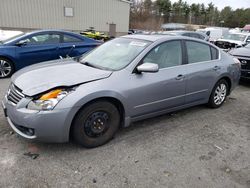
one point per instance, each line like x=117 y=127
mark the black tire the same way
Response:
x=213 y=103
x=6 y=68
x=87 y=127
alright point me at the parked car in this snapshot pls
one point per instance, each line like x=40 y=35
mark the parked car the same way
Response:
x=243 y=54
x=29 y=48
x=197 y=35
x=124 y=80
x=135 y=31
x=214 y=33
x=233 y=40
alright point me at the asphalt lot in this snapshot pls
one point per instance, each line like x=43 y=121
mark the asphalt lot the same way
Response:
x=197 y=147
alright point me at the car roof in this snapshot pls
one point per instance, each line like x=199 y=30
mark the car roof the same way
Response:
x=151 y=38
x=184 y=31
x=53 y=30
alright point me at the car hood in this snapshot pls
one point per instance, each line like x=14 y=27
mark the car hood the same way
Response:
x=42 y=77
x=241 y=52
x=232 y=41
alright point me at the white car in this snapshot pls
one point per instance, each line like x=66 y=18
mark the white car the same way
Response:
x=233 y=40
x=214 y=33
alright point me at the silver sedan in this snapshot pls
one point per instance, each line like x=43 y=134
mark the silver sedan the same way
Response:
x=122 y=81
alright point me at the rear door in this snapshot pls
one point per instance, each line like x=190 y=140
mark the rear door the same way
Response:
x=203 y=69
x=38 y=48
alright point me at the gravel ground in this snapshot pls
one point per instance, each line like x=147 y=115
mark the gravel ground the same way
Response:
x=197 y=147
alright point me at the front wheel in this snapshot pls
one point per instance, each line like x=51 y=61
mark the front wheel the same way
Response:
x=6 y=68
x=219 y=94
x=96 y=124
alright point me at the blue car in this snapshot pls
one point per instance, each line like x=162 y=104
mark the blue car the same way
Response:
x=30 y=48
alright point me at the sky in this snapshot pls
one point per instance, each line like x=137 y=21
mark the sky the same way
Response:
x=222 y=3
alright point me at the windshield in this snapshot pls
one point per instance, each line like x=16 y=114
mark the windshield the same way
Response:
x=11 y=38
x=115 y=54
x=238 y=37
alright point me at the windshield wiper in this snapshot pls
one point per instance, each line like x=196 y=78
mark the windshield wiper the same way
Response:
x=96 y=66
x=91 y=65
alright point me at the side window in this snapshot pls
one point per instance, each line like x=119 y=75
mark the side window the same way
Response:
x=44 y=39
x=214 y=53
x=68 y=38
x=198 y=52
x=167 y=54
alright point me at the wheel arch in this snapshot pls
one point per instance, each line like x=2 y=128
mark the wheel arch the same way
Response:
x=7 y=57
x=228 y=80
x=113 y=100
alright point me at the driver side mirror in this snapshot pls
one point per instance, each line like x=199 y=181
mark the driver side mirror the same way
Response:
x=148 y=67
x=22 y=42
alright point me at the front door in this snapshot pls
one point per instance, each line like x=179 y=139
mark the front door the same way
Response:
x=38 y=48
x=152 y=92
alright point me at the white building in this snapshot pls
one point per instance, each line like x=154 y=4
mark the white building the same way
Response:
x=73 y=15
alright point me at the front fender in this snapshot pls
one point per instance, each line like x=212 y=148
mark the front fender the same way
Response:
x=101 y=94
x=76 y=100
x=8 y=52
x=8 y=56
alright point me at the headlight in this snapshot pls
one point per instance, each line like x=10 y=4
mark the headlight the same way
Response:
x=49 y=100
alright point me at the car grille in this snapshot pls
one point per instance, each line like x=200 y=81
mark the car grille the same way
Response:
x=14 y=94
x=245 y=63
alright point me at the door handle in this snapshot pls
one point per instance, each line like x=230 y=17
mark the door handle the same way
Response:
x=180 y=77
x=216 y=68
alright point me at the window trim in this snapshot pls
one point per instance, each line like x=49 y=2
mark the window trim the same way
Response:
x=182 y=52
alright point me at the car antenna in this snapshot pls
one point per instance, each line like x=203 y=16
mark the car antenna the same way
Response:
x=73 y=46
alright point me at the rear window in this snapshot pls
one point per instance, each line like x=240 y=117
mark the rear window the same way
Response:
x=68 y=38
x=198 y=52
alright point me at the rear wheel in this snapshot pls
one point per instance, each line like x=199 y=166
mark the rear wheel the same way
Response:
x=6 y=68
x=96 y=124
x=219 y=94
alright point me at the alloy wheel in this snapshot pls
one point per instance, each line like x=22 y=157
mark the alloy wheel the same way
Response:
x=5 y=68
x=220 y=94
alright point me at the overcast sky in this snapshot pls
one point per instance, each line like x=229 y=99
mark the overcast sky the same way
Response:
x=222 y=3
